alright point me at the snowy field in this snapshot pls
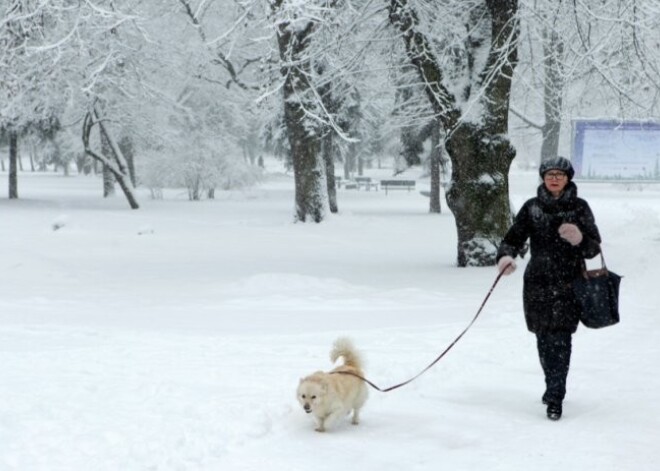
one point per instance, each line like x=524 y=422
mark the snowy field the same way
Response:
x=173 y=337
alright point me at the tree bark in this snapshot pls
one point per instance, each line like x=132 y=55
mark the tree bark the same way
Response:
x=328 y=157
x=13 y=158
x=435 y=164
x=328 y=144
x=478 y=194
x=108 y=178
x=128 y=149
x=480 y=153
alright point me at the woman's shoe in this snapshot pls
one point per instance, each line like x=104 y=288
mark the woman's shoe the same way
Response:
x=554 y=411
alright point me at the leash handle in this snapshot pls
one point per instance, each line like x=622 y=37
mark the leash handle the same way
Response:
x=439 y=357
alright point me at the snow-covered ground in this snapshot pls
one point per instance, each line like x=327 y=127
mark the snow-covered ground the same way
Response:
x=173 y=337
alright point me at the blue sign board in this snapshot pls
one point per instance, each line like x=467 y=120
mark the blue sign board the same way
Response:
x=616 y=150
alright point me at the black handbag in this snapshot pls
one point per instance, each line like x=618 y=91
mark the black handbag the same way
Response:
x=597 y=292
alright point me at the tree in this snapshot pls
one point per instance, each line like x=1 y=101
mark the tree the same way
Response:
x=476 y=142
x=29 y=90
x=436 y=167
x=64 y=65
x=576 y=56
x=112 y=159
x=294 y=35
x=220 y=97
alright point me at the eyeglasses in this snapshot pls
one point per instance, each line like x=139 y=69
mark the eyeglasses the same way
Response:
x=554 y=175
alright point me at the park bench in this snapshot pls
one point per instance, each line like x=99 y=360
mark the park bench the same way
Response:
x=397 y=185
x=366 y=183
x=341 y=182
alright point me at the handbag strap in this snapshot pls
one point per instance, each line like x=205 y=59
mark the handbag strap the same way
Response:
x=602 y=263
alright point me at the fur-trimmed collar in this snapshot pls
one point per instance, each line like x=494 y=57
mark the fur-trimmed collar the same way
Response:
x=566 y=200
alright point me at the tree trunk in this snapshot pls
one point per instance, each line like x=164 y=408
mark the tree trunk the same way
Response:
x=478 y=195
x=63 y=162
x=308 y=169
x=348 y=165
x=127 y=148
x=434 y=164
x=480 y=153
x=13 y=157
x=328 y=158
x=412 y=145
x=116 y=165
x=550 y=143
x=108 y=178
x=553 y=89
x=328 y=144
x=32 y=153
x=194 y=188
x=121 y=175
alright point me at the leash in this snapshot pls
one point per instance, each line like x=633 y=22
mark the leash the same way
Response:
x=439 y=357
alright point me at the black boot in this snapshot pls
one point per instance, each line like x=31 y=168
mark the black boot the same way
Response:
x=554 y=411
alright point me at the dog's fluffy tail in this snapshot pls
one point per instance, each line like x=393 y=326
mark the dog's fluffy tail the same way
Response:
x=343 y=347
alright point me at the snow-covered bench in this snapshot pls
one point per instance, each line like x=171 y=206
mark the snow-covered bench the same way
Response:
x=397 y=185
x=366 y=183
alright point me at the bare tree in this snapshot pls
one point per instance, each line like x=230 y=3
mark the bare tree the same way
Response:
x=116 y=162
x=576 y=56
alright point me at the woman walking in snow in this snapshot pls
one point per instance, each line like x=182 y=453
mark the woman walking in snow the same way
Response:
x=562 y=232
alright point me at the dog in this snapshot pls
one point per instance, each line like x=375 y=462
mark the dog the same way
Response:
x=329 y=396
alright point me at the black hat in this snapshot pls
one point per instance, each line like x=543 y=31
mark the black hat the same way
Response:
x=557 y=163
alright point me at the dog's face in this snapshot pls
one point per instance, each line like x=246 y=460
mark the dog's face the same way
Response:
x=311 y=394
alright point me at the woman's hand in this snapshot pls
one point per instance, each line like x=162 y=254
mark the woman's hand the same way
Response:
x=570 y=233
x=506 y=265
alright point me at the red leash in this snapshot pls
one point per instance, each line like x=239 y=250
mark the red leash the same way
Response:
x=396 y=386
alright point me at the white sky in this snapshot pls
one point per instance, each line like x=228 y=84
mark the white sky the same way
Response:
x=173 y=337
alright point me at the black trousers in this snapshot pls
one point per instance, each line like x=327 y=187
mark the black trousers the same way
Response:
x=555 y=355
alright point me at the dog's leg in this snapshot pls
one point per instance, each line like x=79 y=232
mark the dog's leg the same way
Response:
x=321 y=425
x=356 y=416
x=332 y=417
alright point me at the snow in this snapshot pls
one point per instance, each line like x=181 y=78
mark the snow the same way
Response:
x=173 y=337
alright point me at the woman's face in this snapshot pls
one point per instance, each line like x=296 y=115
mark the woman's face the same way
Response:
x=555 y=181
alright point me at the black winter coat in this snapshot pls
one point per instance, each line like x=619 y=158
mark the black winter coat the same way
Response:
x=548 y=300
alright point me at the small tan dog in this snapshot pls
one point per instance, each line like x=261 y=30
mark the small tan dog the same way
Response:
x=331 y=396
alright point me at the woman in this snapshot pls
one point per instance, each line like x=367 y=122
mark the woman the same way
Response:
x=562 y=232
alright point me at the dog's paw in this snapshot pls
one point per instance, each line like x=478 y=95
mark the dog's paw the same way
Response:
x=320 y=429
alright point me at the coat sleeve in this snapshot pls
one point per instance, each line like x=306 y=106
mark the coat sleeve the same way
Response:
x=590 y=245
x=515 y=238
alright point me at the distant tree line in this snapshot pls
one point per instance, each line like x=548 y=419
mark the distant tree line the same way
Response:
x=192 y=92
